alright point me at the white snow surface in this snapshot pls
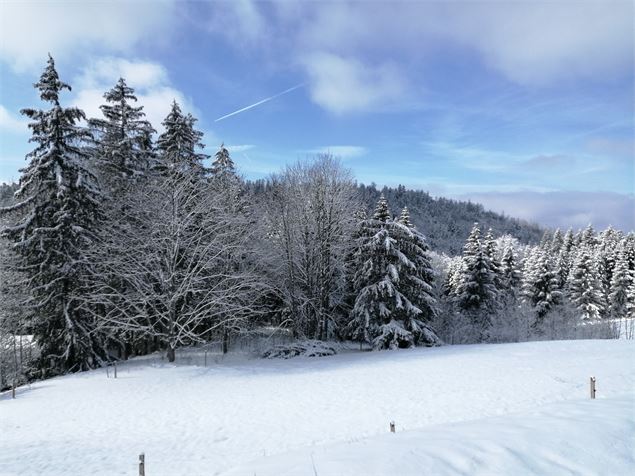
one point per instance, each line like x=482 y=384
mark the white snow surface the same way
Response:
x=474 y=409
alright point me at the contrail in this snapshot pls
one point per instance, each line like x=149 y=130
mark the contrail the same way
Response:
x=260 y=102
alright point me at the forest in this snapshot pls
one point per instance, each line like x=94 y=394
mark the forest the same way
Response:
x=119 y=241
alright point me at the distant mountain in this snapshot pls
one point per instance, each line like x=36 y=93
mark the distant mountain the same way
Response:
x=447 y=223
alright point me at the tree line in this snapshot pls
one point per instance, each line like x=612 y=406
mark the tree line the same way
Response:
x=121 y=241
x=570 y=285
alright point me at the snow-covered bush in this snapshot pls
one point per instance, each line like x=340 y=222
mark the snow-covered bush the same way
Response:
x=305 y=348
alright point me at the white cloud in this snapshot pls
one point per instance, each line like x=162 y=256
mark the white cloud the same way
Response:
x=343 y=85
x=12 y=124
x=149 y=80
x=341 y=151
x=563 y=209
x=531 y=43
x=141 y=74
x=30 y=29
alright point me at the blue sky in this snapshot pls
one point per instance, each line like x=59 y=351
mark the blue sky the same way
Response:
x=526 y=107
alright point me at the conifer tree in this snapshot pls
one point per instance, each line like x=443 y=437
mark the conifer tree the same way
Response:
x=584 y=287
x=540 y=286
x=57 y=212
x=223 y=165
x=490 y=248
x=605 y=254
x=511 y=277
x=417 y=283
x=124 y=138
x=476 y=290
x=178 y=147
x=621 y=281
x=382 y=311
x=564 y=259
x=556 y=243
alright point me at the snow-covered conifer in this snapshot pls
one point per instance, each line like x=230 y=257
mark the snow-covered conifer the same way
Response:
x=417 y=283
x=540 y=283
x=382 y=311
x=179 y=145
x=57 y=210
x=621 y=281
x=123 y=137
x=476 y=289
x=584 y=288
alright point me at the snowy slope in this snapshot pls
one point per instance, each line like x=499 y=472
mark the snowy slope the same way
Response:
x=458 y=409
x=574 y=437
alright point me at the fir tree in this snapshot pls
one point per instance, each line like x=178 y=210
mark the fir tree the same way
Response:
x=382 y=312
x=382 y=213
x=584 y=288
x=621 y=281
x=124 y=137
x=179 y=146
x=511 y=276
x=490 y=248
x=564 y=259
x=58 y=207
x=223 y=165
x=556 y=243
x=540 y=286
x=476 y=290
x=417 y=283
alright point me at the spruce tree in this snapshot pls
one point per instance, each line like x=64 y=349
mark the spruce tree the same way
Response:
x=178 y=147
x=564 y=259
x=124 y=138
x=476 y=292
x=584 y=287
x=621 y=281
x=556 y=243
x=490 y=248
x=382 y=311
x=511 y=277
x=223 y=165
x=57 y=211
x=540 y=286
x=417 y=283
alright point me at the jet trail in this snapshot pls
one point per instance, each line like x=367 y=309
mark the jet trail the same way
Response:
x=260 y=102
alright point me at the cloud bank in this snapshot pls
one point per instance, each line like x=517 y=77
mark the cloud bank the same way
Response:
x=347 y=49
x=563 y=209
x=30 y=29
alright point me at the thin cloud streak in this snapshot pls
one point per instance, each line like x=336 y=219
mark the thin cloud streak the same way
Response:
x=260 y=102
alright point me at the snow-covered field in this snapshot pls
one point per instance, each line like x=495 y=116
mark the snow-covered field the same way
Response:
x=478 y=409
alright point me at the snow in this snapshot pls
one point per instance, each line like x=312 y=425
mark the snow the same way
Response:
x=495 y=409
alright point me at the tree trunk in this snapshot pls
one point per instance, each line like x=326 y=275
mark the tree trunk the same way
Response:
x=225 y=341
x=170 y=354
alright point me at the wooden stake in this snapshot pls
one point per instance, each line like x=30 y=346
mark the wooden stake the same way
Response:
x=592 y=386
x=142 y=464
x=115 y=369
x=13 y=390
x=392 y=426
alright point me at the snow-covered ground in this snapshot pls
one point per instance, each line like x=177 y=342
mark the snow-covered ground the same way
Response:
x=479 y=409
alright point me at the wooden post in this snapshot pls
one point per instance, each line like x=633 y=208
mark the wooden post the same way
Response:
x=13 y=390
x=392 y=426
x=115 y=369
x=142 y=464
x=107 y=371
x=592 y=384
